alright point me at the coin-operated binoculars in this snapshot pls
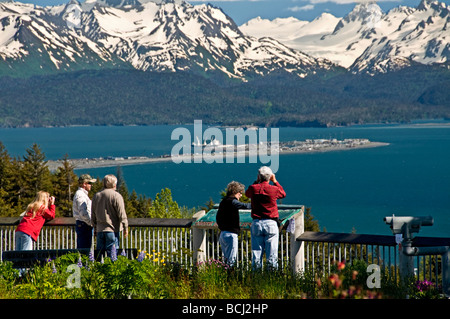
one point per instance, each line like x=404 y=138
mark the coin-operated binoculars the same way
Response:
x=406 y=226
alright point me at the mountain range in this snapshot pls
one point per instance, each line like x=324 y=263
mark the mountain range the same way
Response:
x=367 y=39
x=123 y=62
x=140 y=34
x=174 y=35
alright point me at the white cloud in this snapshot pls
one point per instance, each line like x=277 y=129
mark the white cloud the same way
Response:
x=224 y=0
x=302 y=8
x=349 y=1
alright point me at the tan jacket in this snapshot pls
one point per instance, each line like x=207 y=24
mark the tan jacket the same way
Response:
x=108 y=211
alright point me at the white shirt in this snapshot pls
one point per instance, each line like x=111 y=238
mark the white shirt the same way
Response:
x=81 y=206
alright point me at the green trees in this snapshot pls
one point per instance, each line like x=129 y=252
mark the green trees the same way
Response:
x=164 y=206
x=21 y=178
x=65 y=186
x=6 y=182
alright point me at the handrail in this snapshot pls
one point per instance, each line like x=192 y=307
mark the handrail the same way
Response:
x=138 y=222
x=363 y=239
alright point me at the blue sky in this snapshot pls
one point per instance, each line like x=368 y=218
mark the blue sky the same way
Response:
x=243 y=10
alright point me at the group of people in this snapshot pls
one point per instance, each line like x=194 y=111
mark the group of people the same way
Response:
x=105 y=217
x=265 y=218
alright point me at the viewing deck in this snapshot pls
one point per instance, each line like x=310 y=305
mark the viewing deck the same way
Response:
x=187 y=241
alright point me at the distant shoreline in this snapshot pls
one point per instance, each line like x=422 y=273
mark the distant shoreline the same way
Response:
x=293 y=147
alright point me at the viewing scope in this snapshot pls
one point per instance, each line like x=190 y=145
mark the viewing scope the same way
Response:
x=407 y=225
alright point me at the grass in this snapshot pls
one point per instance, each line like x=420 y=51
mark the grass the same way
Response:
x=150 y=277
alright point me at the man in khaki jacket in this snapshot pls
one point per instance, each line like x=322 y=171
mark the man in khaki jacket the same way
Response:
x=109 y=217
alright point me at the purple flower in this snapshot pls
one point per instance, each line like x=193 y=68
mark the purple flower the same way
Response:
x=141 y=256
x=54 y=268
x=123 y=253
x=80 y=263
x=91 y=256
x=424 y=285
x=113 y=253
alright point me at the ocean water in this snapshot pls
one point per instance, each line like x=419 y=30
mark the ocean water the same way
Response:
x=346 y=190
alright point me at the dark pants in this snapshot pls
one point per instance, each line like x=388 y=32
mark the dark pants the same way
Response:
x=84 y=234
x=106 y=241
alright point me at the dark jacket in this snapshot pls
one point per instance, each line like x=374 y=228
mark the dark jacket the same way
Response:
x=227 y=217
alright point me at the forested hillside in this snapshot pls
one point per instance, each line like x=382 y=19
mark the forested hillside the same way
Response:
x=131 y=97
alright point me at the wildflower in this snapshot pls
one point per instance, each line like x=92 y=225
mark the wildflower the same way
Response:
x=424 y=285
x=341 y=265
x=123 y=253
x=113 y=253
x=54 y=268
x=335 y=280
x=91 y=256
x=80 y=264
x=141 y=256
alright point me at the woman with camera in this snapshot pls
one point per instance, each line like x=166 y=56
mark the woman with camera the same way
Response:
x=37 y=213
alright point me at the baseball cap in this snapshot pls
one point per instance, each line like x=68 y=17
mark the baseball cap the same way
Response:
x=86 y=178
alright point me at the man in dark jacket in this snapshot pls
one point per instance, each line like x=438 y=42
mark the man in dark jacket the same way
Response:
x=227 y=219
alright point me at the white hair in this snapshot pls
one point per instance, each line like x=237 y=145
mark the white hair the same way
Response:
x=109 y=181
x=265 y=172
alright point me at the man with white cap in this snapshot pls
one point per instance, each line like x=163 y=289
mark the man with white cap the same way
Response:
x=82 y=211
x=264 y=228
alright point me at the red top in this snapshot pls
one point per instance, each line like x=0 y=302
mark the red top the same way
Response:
x=264 y=199
x=32 y=226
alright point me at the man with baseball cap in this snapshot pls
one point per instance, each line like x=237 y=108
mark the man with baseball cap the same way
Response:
x=82 y=211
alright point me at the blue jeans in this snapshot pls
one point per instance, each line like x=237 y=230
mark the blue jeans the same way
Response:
x=264 y=235
x=229 y=243
x=23 y=241
x=107 y=240
x=84 y=234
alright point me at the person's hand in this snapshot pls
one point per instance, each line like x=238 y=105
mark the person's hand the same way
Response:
x=125 y=232
x=273 y=178
x=51 y=200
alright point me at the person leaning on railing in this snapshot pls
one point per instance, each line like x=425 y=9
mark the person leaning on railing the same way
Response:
x=264 y=228
x=37 y=213
x=228 y=221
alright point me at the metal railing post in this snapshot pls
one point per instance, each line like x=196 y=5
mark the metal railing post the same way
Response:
x=297 y=248
x=199 y=240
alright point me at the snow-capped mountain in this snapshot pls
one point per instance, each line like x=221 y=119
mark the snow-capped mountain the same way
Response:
x=143 y=34
x=368 y=40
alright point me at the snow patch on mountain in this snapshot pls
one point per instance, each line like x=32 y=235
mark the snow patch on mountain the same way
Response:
x=367 y=39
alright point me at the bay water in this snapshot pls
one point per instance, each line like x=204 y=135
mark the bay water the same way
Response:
x=350 y=190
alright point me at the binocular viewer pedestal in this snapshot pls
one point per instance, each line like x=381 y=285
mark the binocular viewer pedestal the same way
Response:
x=405 y=226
